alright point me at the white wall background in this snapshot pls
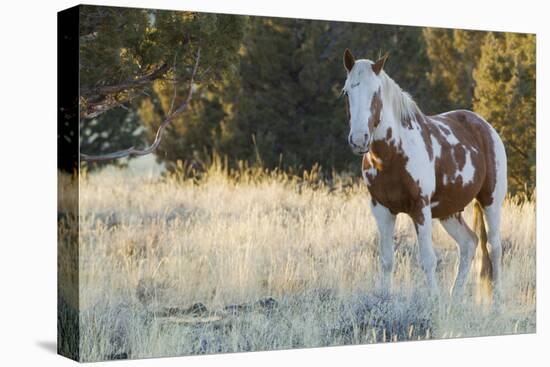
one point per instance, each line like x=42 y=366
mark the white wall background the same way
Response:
x=28 y=180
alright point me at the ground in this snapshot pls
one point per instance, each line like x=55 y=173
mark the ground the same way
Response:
x=257 y=261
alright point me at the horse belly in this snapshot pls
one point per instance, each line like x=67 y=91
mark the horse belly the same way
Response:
x=451 y=199
x=444 y=209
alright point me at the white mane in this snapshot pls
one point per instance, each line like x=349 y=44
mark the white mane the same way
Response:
x=404 y=107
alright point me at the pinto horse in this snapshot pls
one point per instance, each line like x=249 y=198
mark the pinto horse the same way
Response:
x=427 y=167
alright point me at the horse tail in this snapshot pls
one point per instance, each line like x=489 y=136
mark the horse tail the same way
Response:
x=485 y=280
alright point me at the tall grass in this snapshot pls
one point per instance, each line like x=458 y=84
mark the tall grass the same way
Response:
x=249 y=259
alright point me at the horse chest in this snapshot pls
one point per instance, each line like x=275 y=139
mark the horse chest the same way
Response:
x=391 y=185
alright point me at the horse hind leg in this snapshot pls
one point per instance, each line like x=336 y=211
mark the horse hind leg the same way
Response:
x=490 y=200
x=494 y=249
x=466 y=240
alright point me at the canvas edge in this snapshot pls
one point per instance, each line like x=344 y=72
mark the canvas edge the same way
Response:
x=68 y=324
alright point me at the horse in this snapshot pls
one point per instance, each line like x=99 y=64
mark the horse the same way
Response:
x=429 y=167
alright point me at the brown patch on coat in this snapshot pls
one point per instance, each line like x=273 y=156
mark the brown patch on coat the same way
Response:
x=375 y=111
x=421 y=121
x=393 y=186
x=460 y=156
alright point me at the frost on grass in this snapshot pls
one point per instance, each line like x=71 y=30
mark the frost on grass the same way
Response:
x=252 y=261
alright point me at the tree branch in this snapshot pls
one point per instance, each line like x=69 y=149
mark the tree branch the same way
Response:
x=175 y=88
x=148 y=150
x=129 y=84
x=101 y=99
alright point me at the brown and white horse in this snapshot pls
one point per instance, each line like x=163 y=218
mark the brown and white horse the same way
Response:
x=427 y=167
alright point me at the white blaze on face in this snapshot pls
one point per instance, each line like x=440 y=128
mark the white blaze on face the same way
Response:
x=360 y=86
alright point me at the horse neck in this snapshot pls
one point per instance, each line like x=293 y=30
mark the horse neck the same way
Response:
x=401 y=121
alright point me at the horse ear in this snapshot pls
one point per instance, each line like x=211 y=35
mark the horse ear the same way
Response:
x=349 y=60
x=379 y=64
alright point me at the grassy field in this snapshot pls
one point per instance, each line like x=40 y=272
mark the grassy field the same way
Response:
x=256 y=261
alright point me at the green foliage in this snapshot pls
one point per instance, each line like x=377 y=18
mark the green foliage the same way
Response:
x=122 y=45
x=453 y=55
x=114 y=45
x=267 y=88
x=505 y=94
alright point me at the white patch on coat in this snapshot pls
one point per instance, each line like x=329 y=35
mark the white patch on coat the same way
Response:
x=467 y=172
x=451 y=138
x=372 y=172
x=436 y=147
x=418 y=165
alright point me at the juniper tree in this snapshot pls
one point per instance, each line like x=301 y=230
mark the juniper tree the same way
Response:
x=131 y=58
x=505 y=94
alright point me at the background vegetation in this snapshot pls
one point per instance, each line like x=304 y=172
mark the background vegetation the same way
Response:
x=267 y=88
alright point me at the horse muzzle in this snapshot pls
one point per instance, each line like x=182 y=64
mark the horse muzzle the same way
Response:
x=360 y=152
x=358 y=149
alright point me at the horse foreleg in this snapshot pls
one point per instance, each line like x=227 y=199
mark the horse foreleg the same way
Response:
x=426 y=253
x=385 y=221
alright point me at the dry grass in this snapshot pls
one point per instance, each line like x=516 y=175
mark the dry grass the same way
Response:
x=257 y=261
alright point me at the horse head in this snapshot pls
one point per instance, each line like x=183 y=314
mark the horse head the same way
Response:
x=363 y=99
